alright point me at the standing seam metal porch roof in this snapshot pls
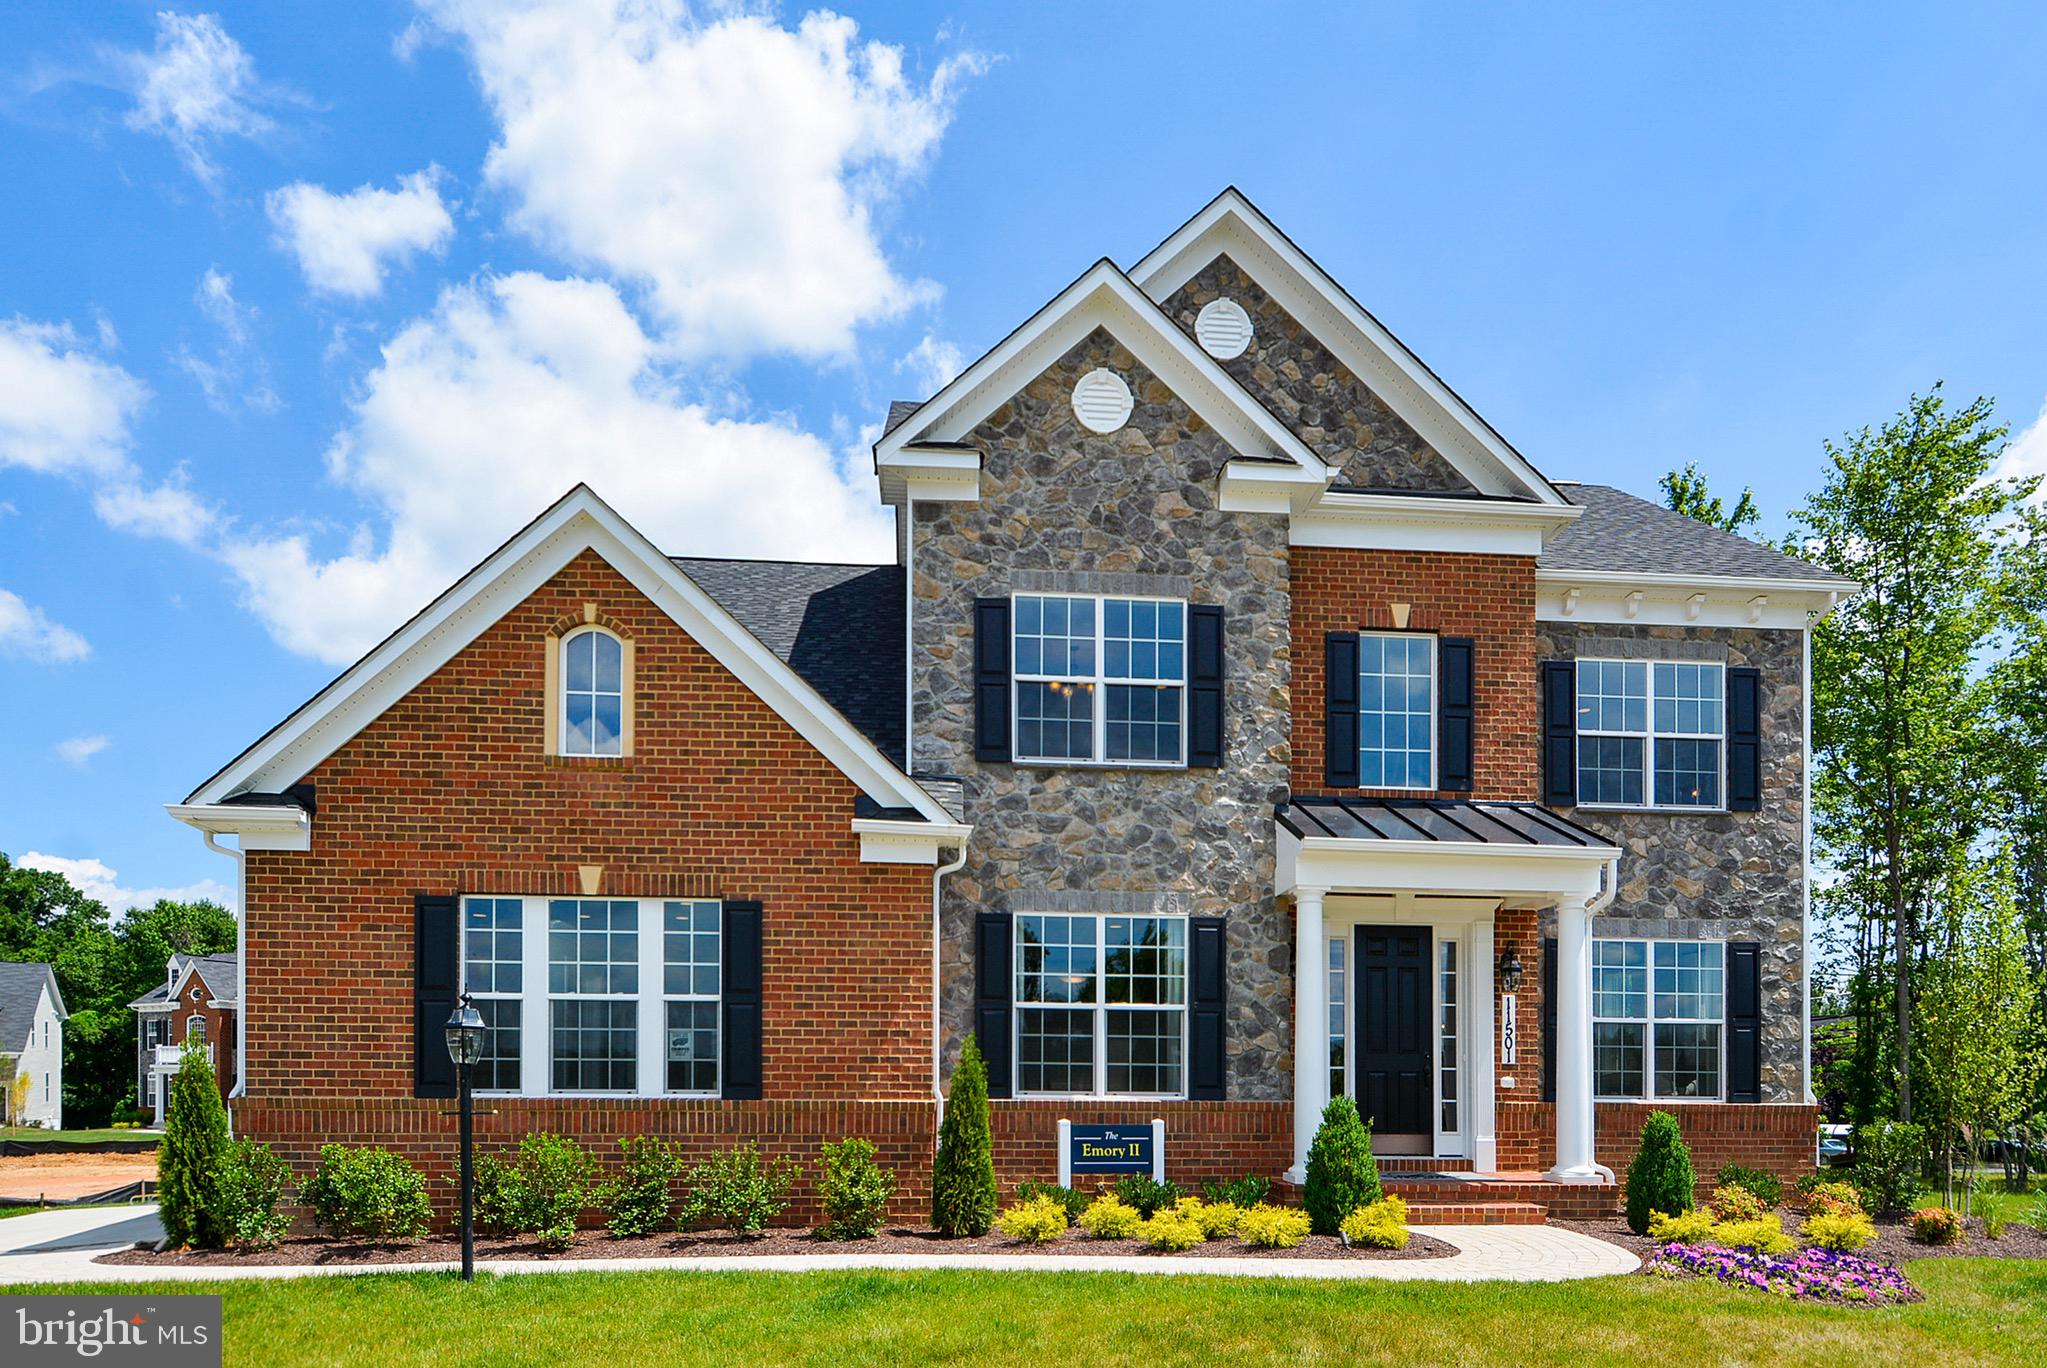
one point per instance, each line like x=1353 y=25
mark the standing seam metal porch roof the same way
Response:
x=1452 y=822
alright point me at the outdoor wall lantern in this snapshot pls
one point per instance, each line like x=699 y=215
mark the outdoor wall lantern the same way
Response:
x=1510 y=969
x=465 y=1033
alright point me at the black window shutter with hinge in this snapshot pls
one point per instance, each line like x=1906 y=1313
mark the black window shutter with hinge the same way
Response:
x=1455 y=714
x=1744 y=1021
x=436 y=979
x=1559 y=733
x=1549 y=1019
x=1205 y=686
x=1744 y=739
x=1207 y=996
x=993 y=992
x=1340 y=709
x=741 y=1000
x=991 y=679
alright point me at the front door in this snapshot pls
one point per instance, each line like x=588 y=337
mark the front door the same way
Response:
x=1394 y=1086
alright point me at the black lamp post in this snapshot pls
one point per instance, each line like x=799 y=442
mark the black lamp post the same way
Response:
x=465 y=1047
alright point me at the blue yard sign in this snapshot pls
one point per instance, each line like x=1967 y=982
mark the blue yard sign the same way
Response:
x=1099 y=1150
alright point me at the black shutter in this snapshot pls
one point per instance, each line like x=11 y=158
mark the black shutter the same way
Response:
x=1549 y=1019
x=1454 y=714
x=1205 y=686
x=1744 y=1022
x=1744 y=739
x=991 y=679
x=993 y=984
x=1207 y=996
x=436 y=977
x=1340 y=709
x=742 y=1000
x=1559 y=733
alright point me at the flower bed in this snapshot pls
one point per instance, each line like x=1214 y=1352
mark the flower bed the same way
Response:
x=1809 y=1274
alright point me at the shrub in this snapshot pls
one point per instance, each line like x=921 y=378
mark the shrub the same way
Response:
x=1834 y=1199
x=1247 y=1191
x=1841 y=1231
x=1342 y=1175
x=368 y=1194
x=1269 y=1227
x=1382 y=1225
x=1686 y=1227
x=641 y=1198
x=1072 y=1200
x=1765 y=1235
x=1660 y=1176
x=500 y=1196
x=1107 y=1218
x=1937 y=1225
x=194 y=1138
x=963 y=1175
x=1037 y=1220
x=853 y=1189
x=558 y=1176
x=1737 y=1204
x=1765 y=1185
x=1171 y=1229
x=739 y=1190
x=248 y=1183
x=1888 y=1158
x=1993 y=1220
x=1146 y=1193
x=1217 y=1218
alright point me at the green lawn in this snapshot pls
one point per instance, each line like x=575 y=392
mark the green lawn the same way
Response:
x=81 y=1136
x=1978 y=1311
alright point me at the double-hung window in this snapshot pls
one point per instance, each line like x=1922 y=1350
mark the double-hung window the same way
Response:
x=1658 y=1012
x=1101 y=1005
x=494 y=969
x=1396 y=710
x=1651 y=733
x=593 y=991
x=1100 y=680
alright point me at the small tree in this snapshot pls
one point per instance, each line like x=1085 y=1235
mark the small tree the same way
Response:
x=1342 y=1174
x=194 y=1138
x=17 y=1095
x=1660 y=1178
x=963 y=1175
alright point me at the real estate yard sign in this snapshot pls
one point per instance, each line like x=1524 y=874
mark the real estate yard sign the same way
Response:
x=1086 y=1149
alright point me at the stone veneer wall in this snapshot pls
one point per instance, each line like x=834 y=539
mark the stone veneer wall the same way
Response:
x=1066 y=509
x=1315 y=394
x=1727 y=875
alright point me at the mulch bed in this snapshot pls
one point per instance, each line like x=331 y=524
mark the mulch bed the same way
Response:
x=1893 y=1244
x=598 y=1244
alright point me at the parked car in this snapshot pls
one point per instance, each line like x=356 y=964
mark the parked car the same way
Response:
x=1834 y=1145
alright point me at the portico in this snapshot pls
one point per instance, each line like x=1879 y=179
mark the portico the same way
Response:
x=1396 y=1000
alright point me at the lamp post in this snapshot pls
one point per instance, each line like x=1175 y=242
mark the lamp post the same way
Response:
x=465 y=1046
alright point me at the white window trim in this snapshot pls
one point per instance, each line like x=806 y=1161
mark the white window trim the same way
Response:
x=1100 y=682
x=561 y=700
x=1450 y=1144
x=1649 y=736
x=1100 y=1010
x=1649 y=1021
x=1434 y=711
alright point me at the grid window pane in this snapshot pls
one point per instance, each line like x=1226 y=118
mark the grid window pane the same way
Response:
x=1055 y=636
x=1610 y=769
x=1658 y=1011
x=1056 y=959
x=1617 y=1059
x=1687 y=1059
x=1687 y=773
x=1620 y=978
x=1396 y=710
x=498 y=1069
x=1688 y=980
x=1337 y=1000
x=1144 y=640
x=1144 y=722
x=1650 y=733
x=493 y=955
x=1688 y=699
x=593 y=946
x=693 y=1047
x=1120 y=979
x=593 y=675
x=689 y=948
x=1055 y=1050
x=596 y=1044
x=1446 y=996
x=1055 y=721
x=1145 y=961
x=1144 y=1052
x=1613 y=695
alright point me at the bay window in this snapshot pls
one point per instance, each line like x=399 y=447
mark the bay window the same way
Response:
x=1100 y=680
x=1658 y=1017
x=1101 y=1005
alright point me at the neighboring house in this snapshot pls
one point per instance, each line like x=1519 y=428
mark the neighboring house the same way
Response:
x=32 y=1015
x=196 y=1004
x=1224 y=641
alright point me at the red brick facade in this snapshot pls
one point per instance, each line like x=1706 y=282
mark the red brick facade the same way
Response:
x=1781 y=1138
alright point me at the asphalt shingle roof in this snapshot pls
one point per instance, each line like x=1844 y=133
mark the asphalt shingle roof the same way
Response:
x=838 y=626
x=222 y=975
x=21 y=986
x=898 y=410
x=1620 y=532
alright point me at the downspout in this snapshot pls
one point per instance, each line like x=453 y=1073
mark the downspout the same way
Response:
x=1609 y=887
x=937 y=1083
x=242 y=955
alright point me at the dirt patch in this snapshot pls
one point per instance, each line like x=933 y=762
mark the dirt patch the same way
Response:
x=60 y=1177
x=598 y=1244
x=1893 y=1244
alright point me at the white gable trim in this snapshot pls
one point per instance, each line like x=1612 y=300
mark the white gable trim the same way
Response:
x=1232 y=224
x=1394 y=522
x=1663 y=600
x=1103 y=297
x=579 y=522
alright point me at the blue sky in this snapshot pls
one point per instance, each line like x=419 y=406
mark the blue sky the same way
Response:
x=304 y=308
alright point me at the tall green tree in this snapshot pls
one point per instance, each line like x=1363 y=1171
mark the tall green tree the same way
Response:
x=1684 y=491
x=1901 y=711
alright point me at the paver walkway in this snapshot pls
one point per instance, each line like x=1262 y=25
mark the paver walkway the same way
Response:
x=59 y=1246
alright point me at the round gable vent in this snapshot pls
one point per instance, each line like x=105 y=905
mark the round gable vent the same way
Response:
x=1101 y=400
x=1223 y=329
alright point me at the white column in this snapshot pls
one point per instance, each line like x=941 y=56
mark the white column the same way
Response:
x=1482 y=1032
x=1311 y=1025
x=1575 y=1163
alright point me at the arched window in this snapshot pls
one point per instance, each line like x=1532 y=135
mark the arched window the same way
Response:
x=593 y=693
x=195 y=1029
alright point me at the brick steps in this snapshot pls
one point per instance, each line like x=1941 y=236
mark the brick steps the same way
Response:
x=1453 y=1189
x=1475 y=1213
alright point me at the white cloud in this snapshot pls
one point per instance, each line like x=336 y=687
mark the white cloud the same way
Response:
x=63 y=410
x=79 y=749
x=732 y=168
x=169 y=510
x=344 y=242
x=97 y=881
x=195 y=88
x=487 y=410
x=28 y=633
x=237 y=377
x=931 y=365
x=2026 y=455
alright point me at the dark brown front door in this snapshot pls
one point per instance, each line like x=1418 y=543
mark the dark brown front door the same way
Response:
x=1393 y=1044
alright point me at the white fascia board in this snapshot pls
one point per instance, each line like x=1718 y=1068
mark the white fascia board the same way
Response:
x=949 y=474
x=260 y=828
x=579 y=522
x=1663 y=600
x=1232 y=224
x=1337 y=865
x=1265 y=487
x=888 y=841
x=1392 y=522
x=1103 y=297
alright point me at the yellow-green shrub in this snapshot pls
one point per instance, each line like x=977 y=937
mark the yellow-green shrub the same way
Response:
x=1217 y=1218
x=1838 y=1230
x=1108 y=1219
x=1269 y=1227
x=1765 y=1235
x=1837 y=1199
x=1687 y=1227
x=1171 y=1230
x=1038 y=1220
x=1381 y=1225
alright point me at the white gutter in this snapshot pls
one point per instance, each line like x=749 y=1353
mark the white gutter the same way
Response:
x=937 y=1035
